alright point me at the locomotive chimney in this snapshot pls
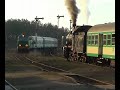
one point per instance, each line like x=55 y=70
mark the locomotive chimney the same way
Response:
x=74 y=25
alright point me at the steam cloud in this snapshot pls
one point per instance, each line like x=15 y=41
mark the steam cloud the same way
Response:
x=86 y=12
x=72 y=9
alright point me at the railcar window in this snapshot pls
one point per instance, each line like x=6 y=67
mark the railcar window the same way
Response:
x=113 y=39
x=92 y=37
x=108 y=42
x=104 y=42
x=109 y=39
x=104 y=37
x=93 y=40
x=89 y=37
x=96 y=39
x=89 y=40
x=113 y=35
x=109 y=36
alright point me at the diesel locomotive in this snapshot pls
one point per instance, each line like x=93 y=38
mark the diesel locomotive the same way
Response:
x=43 y=44
x=22 y=43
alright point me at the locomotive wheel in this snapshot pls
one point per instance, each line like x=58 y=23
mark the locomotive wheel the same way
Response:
x=89 y=60
x=83 y=59
x=79 y=59
x=71 y=57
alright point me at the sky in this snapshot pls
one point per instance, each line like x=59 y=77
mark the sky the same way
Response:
x=100 y=11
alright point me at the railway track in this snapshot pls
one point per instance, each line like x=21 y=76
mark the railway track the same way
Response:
x=78 y=78
x=41 y=65
x=9 y=86
x=71 y=61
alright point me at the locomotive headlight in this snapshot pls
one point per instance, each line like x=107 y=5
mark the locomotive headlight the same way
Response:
x=19 y=45
x=26 y=45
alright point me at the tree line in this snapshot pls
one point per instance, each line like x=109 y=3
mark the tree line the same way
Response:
x=15 y=27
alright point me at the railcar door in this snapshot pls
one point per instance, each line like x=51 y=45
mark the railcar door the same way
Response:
x=100 y=45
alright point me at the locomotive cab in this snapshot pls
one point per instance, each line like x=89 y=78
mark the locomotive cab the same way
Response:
x=79 y=42
x=22 y=43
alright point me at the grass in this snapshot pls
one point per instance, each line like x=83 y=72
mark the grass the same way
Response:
x=12 y=65
x=56 y=61
x=60 y=62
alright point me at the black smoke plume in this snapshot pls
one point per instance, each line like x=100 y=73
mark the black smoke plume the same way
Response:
x=72 y=9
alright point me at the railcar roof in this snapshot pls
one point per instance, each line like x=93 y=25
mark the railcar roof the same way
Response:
x=43 y=37
x=103 y=27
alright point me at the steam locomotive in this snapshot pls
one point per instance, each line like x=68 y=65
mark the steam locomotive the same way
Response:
x=93 y=44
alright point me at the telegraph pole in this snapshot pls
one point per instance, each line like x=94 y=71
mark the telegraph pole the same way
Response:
x=58 y=19
x=36 y=19
x=62 y=41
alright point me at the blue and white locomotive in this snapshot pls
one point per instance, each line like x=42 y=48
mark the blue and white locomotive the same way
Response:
x=43 y=44
x=22 y=43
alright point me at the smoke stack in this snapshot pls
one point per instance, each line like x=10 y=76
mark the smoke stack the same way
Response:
x=74 y=25
x=72 y=9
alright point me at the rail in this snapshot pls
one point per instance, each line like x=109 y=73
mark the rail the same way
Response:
x=12 y=87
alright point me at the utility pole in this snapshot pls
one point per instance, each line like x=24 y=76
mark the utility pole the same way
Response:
x=58 y=19
x=70 y=24
x=36 y=27
x=62 y=41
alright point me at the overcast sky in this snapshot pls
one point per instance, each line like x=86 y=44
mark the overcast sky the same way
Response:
x=101 y=11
